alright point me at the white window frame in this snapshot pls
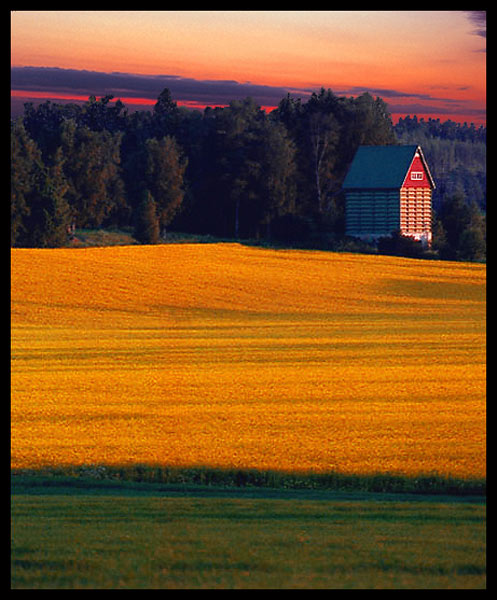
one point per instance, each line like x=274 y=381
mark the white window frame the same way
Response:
x=416 y=174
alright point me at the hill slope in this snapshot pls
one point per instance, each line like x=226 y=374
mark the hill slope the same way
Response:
x=222 y=355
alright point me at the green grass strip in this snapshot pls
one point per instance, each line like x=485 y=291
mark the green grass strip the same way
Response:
x=204 y=477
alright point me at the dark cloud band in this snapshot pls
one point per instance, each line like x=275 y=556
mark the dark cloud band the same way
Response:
x=479 y=19
x=206 y=92
x=81 y=82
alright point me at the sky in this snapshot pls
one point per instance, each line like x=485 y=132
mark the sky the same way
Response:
x=428 y=63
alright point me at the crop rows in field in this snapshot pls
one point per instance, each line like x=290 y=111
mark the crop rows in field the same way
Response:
x=233 y=357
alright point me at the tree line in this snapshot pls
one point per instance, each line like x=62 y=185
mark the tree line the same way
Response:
x=232 y=172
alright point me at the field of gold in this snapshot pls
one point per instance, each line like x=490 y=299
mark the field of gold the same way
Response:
x=229 y=356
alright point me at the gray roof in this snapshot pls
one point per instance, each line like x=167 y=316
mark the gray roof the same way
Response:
x=382 y=167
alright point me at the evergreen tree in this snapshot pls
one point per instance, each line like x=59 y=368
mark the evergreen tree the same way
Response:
x=166 y=115
x=100 y=115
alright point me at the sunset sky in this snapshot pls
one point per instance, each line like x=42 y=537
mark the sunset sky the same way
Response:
x=429 y=63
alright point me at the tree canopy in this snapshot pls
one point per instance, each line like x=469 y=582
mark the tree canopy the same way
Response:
x=233 y=171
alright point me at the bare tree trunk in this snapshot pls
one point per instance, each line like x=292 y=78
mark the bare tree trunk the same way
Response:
x=319 y=140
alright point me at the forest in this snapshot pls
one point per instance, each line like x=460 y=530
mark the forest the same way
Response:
x=232 y=172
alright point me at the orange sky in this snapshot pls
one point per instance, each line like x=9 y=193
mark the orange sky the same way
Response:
x=431 y=61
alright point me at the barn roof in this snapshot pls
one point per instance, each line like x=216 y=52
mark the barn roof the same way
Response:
x=382 y=167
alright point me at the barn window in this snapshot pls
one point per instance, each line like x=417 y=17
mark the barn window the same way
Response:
x=416 y=174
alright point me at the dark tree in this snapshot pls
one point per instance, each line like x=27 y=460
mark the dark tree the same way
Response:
x=327 y=130
x=26 y=169
x=146 y=220
x=166 y=115
x=165 y=177
x=49 y=218
x=464 y=229
x=96 y=190
x=100 y=115
x=43 y=125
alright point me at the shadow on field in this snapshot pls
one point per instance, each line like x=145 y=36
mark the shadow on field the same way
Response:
x=208 y=482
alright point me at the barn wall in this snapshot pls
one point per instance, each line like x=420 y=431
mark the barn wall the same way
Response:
x=372 y=213
x=415 y=212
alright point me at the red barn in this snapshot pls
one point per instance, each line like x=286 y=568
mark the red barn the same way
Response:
x=388 y=188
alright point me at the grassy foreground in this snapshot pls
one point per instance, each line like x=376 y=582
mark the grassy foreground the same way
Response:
x=133 y=539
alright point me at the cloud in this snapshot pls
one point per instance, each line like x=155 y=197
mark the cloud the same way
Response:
x=204 y=91
x=479 y=19
x=128 y=85
x=133 y=89
x=386 y=93
x=435 y=110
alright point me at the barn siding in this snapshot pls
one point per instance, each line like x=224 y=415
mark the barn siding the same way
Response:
x=372 y=212
x=415 y=212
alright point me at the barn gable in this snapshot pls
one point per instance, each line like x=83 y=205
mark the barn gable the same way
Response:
x=418 y=174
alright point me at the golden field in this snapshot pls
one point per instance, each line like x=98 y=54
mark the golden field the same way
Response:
x=229 y=356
